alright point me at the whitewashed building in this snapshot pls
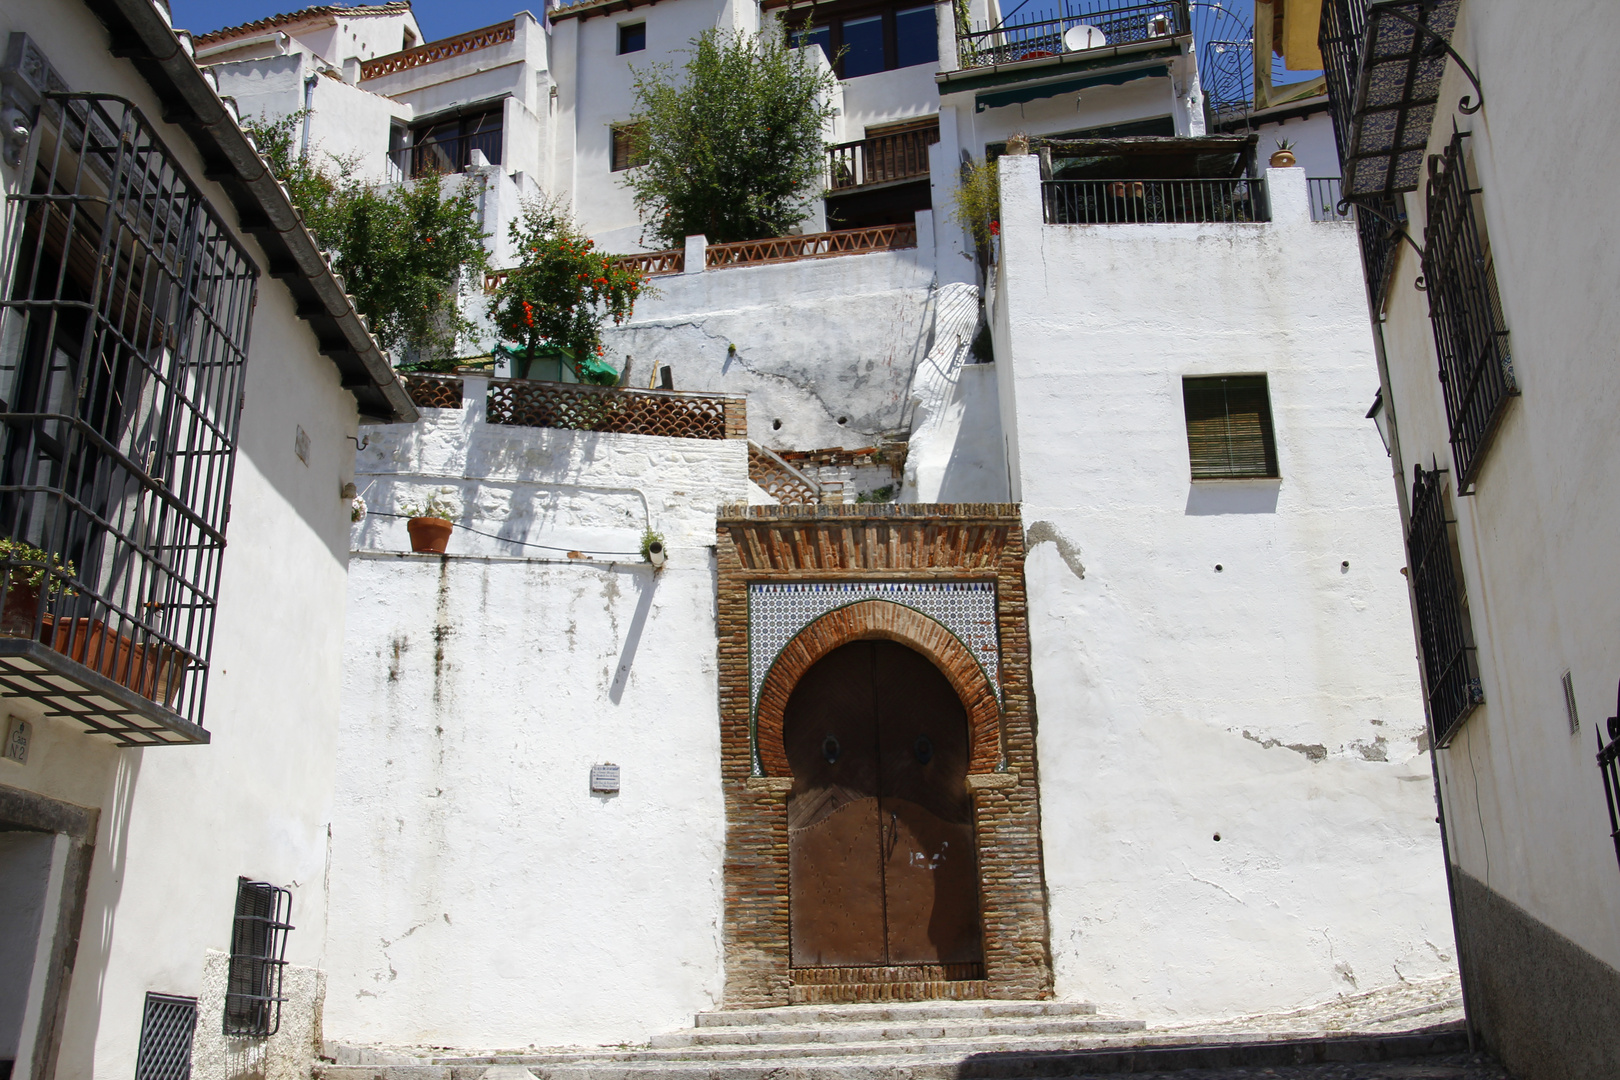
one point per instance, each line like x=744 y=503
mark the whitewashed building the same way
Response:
x=1486 y=277
x=177 y=364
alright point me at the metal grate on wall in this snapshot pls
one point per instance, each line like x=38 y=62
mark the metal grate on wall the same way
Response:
x=258 y=950
x=167 y=1026
x=122 y=345
x=1608 y=759
x=1451 y=679
x=1476 y=370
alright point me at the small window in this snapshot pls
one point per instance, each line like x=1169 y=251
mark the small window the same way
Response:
x=167 y=1025
x=632 y=37
x=629 y=147
x=1229 y=431
x=409 y=41
x=258 y=948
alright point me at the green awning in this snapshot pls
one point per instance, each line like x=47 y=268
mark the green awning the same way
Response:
x=1066 y=86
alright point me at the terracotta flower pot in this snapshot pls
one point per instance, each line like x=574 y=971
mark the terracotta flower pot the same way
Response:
x=1283 y=159
x=429 y=535
x=21 y=609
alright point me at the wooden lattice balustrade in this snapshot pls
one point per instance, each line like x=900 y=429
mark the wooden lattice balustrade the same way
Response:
x=439 y=50
x=813 y=245
x=579 y=407
x=433 y=391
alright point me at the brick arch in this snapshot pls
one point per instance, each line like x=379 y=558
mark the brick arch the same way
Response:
x=862 y=621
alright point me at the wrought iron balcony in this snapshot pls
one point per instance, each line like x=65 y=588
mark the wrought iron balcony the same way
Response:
x=124 y=337
x=1230 y=200
x=1383 y=62
x=1036 y=39
x=883 y=159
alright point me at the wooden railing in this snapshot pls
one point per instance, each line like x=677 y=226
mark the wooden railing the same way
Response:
x=882 y=159
x=581 y=407
x=812 y=246
x=442 y=49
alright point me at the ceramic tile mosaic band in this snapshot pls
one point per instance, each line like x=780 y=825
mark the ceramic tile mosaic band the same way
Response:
x=776 y=614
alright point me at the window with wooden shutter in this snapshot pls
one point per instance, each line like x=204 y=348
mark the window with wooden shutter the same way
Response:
x=1229 y=432
x=629 y=147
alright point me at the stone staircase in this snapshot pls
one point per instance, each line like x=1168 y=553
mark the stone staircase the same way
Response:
x=932 y=1040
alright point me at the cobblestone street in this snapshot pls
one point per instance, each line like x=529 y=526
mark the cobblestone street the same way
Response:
x=1447 y=1067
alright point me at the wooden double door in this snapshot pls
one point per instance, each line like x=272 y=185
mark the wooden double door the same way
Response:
x=882 y=867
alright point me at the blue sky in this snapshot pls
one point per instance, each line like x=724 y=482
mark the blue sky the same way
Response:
x=439 y=18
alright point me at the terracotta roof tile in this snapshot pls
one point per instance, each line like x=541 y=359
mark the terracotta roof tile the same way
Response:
x=392 y=7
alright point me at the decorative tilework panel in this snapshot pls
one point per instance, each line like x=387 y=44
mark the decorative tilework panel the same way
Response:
x=776 y=614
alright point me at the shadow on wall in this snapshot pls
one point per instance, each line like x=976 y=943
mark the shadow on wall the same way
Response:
x=1233 y=497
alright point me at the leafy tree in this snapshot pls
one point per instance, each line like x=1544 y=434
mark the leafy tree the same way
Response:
x=732 y=148
x=404 y=253
x=561 y=291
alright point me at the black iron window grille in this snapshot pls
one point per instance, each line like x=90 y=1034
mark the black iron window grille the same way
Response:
x=1476 y=368
x=1608 y=759
x=167 y=1026
x=1229 y=430
x=1450 y=669
x=258 y=950
x=1380 y=227
x=122 y=344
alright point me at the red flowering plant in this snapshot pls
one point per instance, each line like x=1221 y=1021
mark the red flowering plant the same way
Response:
x=562 y=292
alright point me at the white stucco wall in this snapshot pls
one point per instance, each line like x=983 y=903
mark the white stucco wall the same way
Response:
x=1273 y=702
x=1314 y=146
x=816 y=340
x=179 y=824
x=1524 y=798
x=481 y=894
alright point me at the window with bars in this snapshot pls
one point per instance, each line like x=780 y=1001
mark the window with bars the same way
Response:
x=1229 y=430
x=167 y=1026
x=258 y=950
x=1608 y=759
x=1476 y=369
x=629 y=146
x=124 y=336
x=1450 y=670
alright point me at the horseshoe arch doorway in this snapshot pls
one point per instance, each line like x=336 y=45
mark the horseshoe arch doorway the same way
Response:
x=882 y=865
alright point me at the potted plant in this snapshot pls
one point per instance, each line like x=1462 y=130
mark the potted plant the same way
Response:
x=430 y=521
x=1284 y=157
x=24 y=582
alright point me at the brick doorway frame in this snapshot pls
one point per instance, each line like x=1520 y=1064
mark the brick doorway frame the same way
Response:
x=883 y=543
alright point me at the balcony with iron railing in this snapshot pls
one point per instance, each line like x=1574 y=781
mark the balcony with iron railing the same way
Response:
x=1096 y=26
x=882 y=159
x=1154 y=202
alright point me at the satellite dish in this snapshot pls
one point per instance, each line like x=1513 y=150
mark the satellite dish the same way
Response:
x=1081 y=38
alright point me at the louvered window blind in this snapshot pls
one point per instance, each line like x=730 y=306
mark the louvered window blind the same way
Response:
x=1229 y=432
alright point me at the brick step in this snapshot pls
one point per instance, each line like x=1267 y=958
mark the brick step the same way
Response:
x=988 y=1061
x=896 y=1013
x=854 y=993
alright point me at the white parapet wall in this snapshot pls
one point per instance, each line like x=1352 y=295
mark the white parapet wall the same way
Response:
x=1238 y=811
x=482 y=895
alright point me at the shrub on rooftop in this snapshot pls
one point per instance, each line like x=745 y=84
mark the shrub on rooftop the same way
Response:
x=732 y=142
x=561 y=292
x=405 y=253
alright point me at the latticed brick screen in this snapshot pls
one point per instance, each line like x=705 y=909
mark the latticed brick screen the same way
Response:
x=627 y=412
x=435 y=51
x=785 y=484
x=433 y=391
x=812 y=245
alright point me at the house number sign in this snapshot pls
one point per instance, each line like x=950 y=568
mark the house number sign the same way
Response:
x=604 y=778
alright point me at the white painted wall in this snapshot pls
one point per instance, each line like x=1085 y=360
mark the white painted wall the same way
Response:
x=1274 y=702
x=816 y=340
x=955 y=451
x=1524 y=798
x=1314 y=146
x=178 y=824
x=481 y=895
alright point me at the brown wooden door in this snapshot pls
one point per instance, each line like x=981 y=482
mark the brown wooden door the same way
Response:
x=881 y=861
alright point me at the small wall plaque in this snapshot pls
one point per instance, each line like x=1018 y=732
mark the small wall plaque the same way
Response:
x=20 y=731
x=605 y=778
